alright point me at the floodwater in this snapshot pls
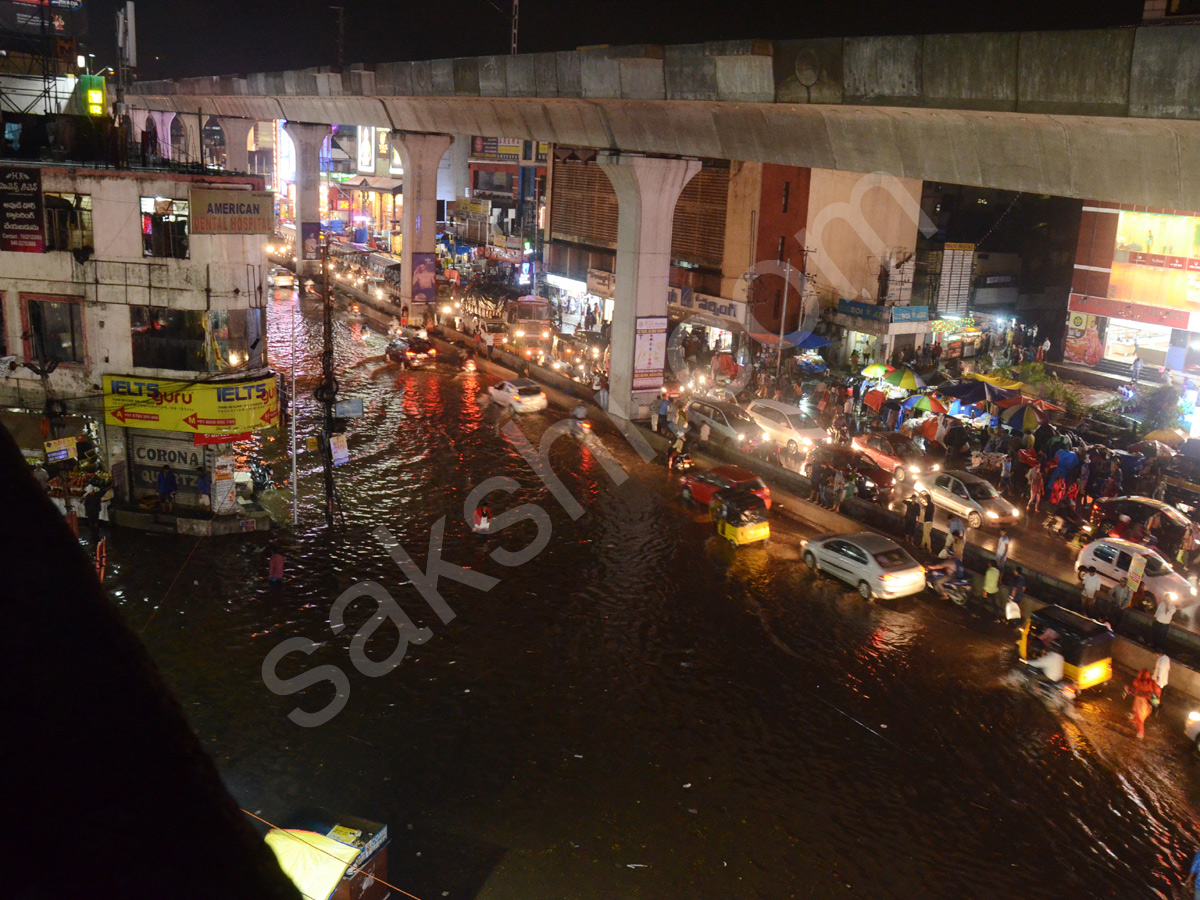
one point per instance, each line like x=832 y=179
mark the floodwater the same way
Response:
x=639 y=710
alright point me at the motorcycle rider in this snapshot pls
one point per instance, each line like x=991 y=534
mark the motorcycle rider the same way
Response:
x=948 y=571
x=483 y=519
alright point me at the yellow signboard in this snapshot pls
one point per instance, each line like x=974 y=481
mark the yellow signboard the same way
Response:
x=232 y=212
x=64 y=448
x=189 y=407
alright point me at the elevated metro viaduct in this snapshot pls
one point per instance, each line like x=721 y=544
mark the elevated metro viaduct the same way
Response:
x=1111 y=114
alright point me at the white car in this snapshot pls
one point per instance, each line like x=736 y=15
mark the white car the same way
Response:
x=1112 y=558
x=875 y=565
x=786 y=425
x=521 y=394
x=968 y=496
x=281 y=277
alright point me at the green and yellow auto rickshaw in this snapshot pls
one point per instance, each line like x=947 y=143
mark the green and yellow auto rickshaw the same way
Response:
x=739 y=516
x=1085 y=644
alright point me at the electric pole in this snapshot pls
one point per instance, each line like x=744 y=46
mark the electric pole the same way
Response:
x=341 y=11
x=515 y=19
x=327 y=392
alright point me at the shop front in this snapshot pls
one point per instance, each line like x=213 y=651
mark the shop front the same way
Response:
x=875 y=331
x=1099 y=329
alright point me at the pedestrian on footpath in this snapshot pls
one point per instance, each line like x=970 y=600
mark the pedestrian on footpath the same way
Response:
x=1016 y=588
x=927 y=527
x=1091 y=587
x=957 y=537
x=1006 y=475
x=991 y=586
x=203 y=488
x=1118 y=601
x=1162 y=672
x=664 y=410
x=1037 y=486
x=167 y=486
x=1002 y=545
x=912 y=511
x=42 y=477
x=705 y=431
x=1163 y=613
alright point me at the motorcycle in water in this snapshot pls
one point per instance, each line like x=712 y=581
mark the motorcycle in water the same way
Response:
x=957 y=590
x=581 y=428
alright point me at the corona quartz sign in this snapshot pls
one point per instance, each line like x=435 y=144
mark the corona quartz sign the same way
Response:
x=188 y=407
x=232 y=212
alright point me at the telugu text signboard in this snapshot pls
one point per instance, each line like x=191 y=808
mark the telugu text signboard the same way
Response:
x=229 y=408
x=232 y=212
x=22 y=225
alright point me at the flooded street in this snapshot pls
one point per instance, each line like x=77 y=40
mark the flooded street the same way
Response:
x=638 y=711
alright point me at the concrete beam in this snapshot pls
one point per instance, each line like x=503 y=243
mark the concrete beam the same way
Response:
x=1142 y=161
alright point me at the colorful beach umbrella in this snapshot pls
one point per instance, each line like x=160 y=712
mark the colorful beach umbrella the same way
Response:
x=1172 y=437
x=925 y=403
x=905 y=378
x=877 y=370
x=1025 y=417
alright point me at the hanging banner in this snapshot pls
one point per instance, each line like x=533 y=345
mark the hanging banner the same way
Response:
x=232 y=212
x=22 y=224
x=649 y=353
x=226 y=408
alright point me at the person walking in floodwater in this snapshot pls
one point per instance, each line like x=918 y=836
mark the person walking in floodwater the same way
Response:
x=1145 y=692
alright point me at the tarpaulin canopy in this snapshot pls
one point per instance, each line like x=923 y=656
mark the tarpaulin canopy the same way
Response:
x=974 y=391
x=315 y=863
x=1017 y=400
x=874 y=399
x=801 y=340
x=1006 y=384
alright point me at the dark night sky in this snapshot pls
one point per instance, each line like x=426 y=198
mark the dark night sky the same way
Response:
x=211 y=37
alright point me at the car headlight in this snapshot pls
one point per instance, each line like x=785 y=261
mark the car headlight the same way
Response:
x=765 y=436
x=805 y=442
x=1172 y=596
x=916 y=470
x=741 y=437
x=1193 y=592
x=992 y=515
x=868 y=482
x=935 y=468
x=1015 y=511
x=917 y=486
x=1194 y=716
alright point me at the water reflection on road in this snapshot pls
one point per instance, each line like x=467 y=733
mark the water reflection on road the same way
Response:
x=640 y=710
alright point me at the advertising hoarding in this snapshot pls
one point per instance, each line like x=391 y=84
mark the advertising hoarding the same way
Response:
x=22 y=223
x=229 y=408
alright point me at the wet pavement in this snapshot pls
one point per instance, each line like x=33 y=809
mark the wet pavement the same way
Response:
x=640 y=710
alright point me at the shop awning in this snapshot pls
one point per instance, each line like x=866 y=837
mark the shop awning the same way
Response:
x=375 y=183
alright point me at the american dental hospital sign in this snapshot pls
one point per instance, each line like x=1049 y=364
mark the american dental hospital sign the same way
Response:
x=232 y=212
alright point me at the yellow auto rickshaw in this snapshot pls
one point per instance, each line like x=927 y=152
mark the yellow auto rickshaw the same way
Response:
x=739 y=516
x=1085 y=644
